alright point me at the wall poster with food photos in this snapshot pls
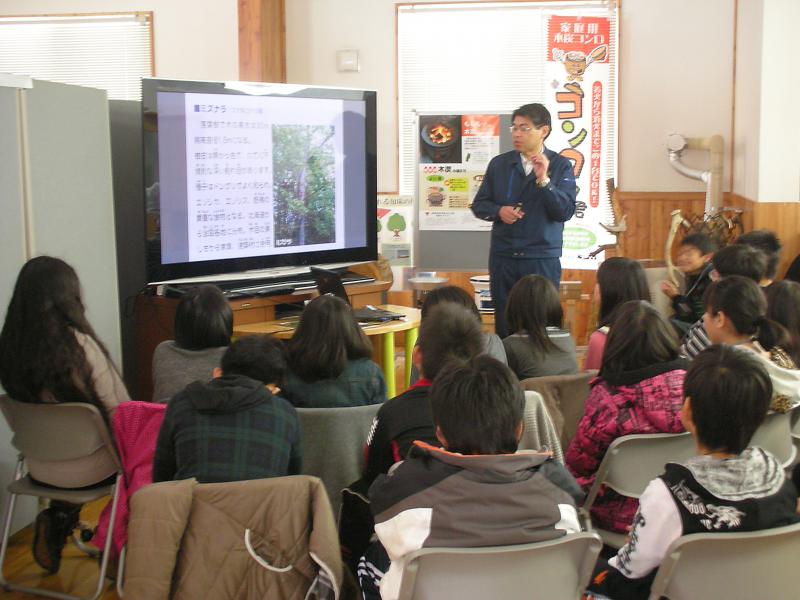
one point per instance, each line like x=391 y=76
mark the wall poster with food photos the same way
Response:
x=454 y=150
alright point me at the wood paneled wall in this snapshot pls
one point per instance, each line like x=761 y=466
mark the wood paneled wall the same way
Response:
x=262 y=40
x=649 y=217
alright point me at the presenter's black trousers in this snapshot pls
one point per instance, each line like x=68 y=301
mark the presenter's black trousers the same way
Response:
x=505 y=271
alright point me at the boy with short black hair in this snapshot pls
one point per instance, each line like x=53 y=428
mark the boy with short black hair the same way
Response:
x=234 y=427
x=729 y=486
x=450 y=331
x=474 y=490
x=766 y=241
x=694 y=261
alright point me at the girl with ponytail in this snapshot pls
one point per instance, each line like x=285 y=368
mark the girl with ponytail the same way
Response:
x=736 y=314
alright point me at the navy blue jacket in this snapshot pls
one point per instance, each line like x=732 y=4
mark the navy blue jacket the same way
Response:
x=540 y=233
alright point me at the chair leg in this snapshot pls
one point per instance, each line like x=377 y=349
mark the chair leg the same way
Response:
x=9 y=513
x=121 y=571
x=101 y=577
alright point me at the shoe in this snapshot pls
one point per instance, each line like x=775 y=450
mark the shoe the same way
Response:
x=50 y=532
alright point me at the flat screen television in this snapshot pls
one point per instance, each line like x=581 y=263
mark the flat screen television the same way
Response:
x=241 y=177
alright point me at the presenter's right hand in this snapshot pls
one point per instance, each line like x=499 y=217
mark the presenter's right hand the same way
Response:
x=510 y=214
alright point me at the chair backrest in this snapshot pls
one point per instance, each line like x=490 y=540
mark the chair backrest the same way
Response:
x=632 y=461
x=57 y=432
x=556 y=569
x=539 y=431
x=333 y=445
x=775 y=436
x=565 y=397
x=754 y=564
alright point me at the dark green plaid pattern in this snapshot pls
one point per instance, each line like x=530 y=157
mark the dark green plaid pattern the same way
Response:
x=257 y=442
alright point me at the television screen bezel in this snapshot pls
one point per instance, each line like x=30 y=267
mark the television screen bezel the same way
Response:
x=160 y=272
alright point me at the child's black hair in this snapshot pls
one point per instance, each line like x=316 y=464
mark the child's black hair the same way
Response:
x=730 y=392
x=258 y=357
x=478 y=406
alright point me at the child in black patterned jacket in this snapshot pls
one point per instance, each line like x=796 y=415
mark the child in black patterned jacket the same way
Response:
x=729 y=486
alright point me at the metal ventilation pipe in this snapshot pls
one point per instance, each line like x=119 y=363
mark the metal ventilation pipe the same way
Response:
x=712 y=177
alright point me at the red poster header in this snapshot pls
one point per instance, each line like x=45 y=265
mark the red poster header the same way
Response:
x=580 y=35
x=480 y=125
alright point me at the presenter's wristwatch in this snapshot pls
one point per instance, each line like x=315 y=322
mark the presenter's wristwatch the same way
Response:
x=543 y=182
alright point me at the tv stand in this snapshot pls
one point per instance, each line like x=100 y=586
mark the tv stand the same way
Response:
x=154 y=317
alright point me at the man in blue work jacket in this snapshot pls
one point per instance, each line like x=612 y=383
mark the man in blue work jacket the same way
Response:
x=528 y=193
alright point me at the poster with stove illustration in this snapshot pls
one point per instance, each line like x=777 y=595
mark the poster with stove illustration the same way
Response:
x=454 y=151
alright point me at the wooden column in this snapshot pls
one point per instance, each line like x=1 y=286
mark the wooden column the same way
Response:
x=262 y=40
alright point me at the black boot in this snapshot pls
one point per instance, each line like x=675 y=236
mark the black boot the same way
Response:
x=51 y=529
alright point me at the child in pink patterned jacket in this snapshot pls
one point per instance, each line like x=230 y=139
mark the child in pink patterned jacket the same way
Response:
x=639 y=390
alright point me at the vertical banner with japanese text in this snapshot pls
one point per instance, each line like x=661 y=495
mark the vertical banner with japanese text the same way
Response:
x=395 y=229
x=454 y=151
x=578 y=69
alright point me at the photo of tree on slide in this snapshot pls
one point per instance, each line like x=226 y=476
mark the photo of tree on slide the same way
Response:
x=304 y=184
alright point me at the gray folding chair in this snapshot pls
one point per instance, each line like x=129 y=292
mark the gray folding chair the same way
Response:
x=734 y=566
x=52 y=433
x=333 y=445
x=553 y=570
x=631 y=462
x=775 y=436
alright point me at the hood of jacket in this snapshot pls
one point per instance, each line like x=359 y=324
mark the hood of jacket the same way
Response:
x=755 y=473
x=227 y=394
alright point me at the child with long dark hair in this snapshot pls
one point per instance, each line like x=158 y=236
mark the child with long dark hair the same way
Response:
x=330 y=361
x=639 y=390
x=619 y=280
x=49 y=353
x=783 y=307
x=538 y=346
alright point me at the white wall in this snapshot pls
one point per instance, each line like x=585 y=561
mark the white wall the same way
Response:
x=676 y=73
x=193 y=39
x=779 y=158
x=316 y=29
x=747 y=125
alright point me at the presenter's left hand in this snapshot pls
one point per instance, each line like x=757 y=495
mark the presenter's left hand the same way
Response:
x=540 y=166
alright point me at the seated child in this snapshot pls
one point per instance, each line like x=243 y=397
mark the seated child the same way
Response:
x=234 y=427
x=729 y=486
x=537 y=346
x=738 y=259
x=330 y=359
x=639 y=390
x=449 y=332
x=694 y=261
x=474 y=491
x=203 y=328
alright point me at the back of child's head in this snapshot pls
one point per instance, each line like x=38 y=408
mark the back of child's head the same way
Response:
x=533 y=305
x=449 y=293
x=327 y=337
x=478 y=405
x=742 y=301
x=204 y=319
x=783 y=306
x=730 y=393
x=700 y=241
x=620 y=279
x=740 y=259
x=258 y=357
x=768 y=243
x=449 y=332
x=639 y=337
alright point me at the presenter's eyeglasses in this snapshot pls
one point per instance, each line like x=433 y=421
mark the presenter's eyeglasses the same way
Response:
x=521 y=128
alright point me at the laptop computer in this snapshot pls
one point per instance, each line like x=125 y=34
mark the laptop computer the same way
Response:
x=330 y=282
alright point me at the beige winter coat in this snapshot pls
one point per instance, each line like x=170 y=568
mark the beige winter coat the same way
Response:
x=244 y=540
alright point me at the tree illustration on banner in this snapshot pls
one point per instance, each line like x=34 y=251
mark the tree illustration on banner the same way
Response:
x=303 y=184
x=396 y=224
